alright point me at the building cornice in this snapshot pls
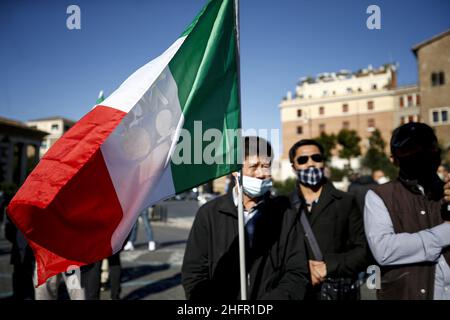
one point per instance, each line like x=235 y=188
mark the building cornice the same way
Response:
x=439 y=36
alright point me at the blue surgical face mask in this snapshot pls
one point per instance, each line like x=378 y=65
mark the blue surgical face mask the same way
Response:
x=254 y=187
x=311 y=176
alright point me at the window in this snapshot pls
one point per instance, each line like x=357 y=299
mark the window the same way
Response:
x=439 y=116
x=55 y=127
x=434 y=79
x=437 y=79
x=322 y=128
x=402 y=120
x=418 y=100
x=359 y=90
x=345 y=125
x=435 y=117
x=369 y=105
x=401 y=102
x=321 y=110
x=410 y=101
x=374 y=87
x=410 y=118
x=371 y=123
x=345 y=107
x=444 y=115
x=349 y=90
x=299 y=113
x=299 y=130
x=441 y=78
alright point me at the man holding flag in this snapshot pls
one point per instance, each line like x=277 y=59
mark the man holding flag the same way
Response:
x=276 y=256
x=81 y=201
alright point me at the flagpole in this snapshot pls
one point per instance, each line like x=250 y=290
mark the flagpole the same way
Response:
x=242 y=266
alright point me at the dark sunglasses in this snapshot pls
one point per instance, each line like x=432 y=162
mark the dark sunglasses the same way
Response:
x=304 y=159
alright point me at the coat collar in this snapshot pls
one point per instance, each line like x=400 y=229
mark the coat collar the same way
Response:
x=328 y=195
x=228 y=206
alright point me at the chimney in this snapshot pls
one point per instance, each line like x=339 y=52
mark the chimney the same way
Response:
x=289 y=95
x=393 y=83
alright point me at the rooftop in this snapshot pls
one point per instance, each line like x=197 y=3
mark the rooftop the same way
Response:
x=53 y=118
x=14 y=126
x=346 y=74
x=432 y=39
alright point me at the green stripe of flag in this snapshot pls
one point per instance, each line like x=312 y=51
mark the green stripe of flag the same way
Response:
x=205 y=69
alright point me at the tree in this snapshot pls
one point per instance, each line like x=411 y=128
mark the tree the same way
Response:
x=376 y=158
x=349 y=140
x=285 y=187
x=328 y=143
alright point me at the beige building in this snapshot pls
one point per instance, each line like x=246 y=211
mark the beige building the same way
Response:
x=407 y=105
x=433 y=61
x=361 y=101
x=55 y=126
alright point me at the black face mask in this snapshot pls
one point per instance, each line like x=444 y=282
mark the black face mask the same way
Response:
x=421 y=166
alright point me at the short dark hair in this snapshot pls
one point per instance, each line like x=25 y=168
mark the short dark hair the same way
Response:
x=301 y=143
x=254 y=145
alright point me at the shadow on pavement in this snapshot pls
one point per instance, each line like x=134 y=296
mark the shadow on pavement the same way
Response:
x=154 y=287
x=5 y=247
x=5 y=251
x=160 y=245
x=132 y=273
x=171 y=243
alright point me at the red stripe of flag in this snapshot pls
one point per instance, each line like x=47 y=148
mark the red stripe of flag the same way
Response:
x=68 y=208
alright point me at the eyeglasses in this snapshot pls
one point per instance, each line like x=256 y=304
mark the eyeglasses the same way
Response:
x=304 y=159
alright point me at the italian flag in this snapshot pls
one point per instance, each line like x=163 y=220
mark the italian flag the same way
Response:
x=132 y=150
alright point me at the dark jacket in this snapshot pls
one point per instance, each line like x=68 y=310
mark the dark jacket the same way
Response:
x=359 y=189
x=405 y=202
x=337 y=224
x=276 y=264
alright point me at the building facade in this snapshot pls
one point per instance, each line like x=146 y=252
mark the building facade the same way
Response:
x=19 y=150
x=433 y=61
x=55 y=126
x=363 y=101
x=407 y=105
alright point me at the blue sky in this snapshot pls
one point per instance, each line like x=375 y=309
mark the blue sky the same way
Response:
x=47 y=70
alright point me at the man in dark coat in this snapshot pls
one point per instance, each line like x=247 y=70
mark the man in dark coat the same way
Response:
x=335 y=220
x=363 y=184
x=275 y=251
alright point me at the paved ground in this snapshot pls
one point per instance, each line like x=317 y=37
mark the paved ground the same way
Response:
x=154 y=275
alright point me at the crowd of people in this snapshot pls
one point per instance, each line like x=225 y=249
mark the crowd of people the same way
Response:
x=318 y=242
x=314 y=244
